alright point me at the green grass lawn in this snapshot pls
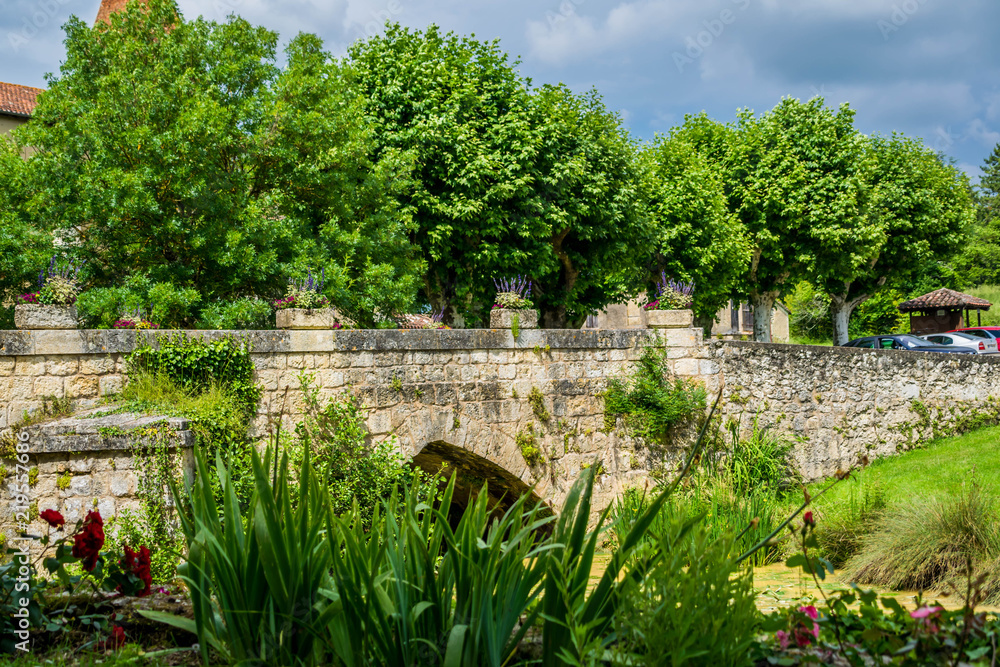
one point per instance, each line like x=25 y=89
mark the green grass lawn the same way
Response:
x=934 y=471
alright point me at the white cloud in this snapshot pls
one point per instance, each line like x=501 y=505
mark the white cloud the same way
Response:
x=978 y=131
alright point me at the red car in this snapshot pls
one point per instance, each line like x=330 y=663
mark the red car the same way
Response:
x=981 y=332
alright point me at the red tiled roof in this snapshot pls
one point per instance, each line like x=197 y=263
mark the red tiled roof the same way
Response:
x=18 y=100
x=944 y=299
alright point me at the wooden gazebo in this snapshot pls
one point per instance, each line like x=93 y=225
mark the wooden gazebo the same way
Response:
x=941 y=310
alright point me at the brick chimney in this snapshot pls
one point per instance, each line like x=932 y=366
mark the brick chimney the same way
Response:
x=109 y=7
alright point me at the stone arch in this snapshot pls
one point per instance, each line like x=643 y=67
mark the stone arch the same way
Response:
x=472 y=471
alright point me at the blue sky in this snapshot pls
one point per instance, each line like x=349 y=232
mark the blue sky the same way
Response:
x=926 y=68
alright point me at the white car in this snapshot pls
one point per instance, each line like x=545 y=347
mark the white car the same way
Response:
x=982 y=345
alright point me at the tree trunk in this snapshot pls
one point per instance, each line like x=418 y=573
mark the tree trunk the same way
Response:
x=763 y=305
x=842 y=309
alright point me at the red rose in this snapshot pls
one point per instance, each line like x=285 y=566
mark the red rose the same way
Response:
x=87 y=542
x=53 y=518
x=116 y=640
x=808 y=518
x=137 y=564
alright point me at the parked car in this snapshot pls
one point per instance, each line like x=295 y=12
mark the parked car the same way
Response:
x=980 y=332
x=960 y=339
x=906 y=342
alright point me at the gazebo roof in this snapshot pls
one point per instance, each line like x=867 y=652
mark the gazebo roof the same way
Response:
x=944 y=299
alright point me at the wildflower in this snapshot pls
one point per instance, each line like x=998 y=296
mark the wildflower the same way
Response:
x=87 y=542
x=783 y=638
x=53 y=518
x=925 y=617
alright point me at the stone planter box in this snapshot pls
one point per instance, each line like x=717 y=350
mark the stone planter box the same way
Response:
x=36 y=316
x=669 y=319
x=501 y=318
x=303 y=318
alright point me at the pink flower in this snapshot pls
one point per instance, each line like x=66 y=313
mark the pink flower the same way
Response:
x=925 y=612
x=782 y=639
x=810 y=611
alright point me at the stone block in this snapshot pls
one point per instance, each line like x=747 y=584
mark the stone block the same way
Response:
x=36 y=316
x=30 y=366
x=49 y=386
x=301 y=318
x=82 y=485
x=62 y=365
x=123 y=483
x=97 y=365
x=81 y=463
x=6 y=366
x=686 y=367
x=503 y=318
x=678 y=337
x=82 y=386
x=112 y=384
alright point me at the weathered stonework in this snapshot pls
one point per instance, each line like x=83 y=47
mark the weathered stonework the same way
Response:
x=302 y=318
x=669 y=319
x=38 y=316
x=457 y=395
x=503 y=318
x=842 y=403
x=87 y=462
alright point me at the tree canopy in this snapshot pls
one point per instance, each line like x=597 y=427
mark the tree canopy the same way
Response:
x=179 y=150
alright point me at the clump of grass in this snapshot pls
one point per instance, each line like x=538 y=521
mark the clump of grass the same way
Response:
x=928 y=544
x=842 y=530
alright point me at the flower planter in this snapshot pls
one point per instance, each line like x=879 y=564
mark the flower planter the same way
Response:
x=303 y=318
x=502 y=318
x=669 y=319
x=38 y=316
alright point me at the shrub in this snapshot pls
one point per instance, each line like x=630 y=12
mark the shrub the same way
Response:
x=811 y=317
x=242 y=313
x=842 y=531
x=695 y=606
x=164 y=304
x=651 y=401
x=927 y=544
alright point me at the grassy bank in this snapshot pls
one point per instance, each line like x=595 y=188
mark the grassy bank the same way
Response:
x=927 y=519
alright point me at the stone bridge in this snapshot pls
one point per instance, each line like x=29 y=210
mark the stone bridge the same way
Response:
x=478 y=400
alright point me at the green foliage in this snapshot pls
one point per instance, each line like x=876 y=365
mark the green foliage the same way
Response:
x=810 y=308
x=352 y=470
x=697 y=575
x=696 y=238
x=528 y=444
x=242 y=313
x=651 y=402
x=508 y=179
x=979 y=261
x=844 y=526
x=216 y=170
x=926 y=544
x=24 y=248
x=880 y=315
x=515 y=326
x=195 y=364
x=537 y=402
x=162 y=303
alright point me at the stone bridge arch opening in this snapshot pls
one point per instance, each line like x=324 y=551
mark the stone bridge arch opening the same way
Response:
x=472 y=472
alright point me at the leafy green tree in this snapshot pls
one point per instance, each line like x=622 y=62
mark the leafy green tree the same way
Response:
x=509 y=180
x=587 y=192
x=795 y=179
x=179 y=150
x=921 y=206
x=24 y=249
x=980 y=260
x=696 y=237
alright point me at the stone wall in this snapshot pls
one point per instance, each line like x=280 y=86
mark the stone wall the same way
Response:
x=460 y=396
x=841 y=403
